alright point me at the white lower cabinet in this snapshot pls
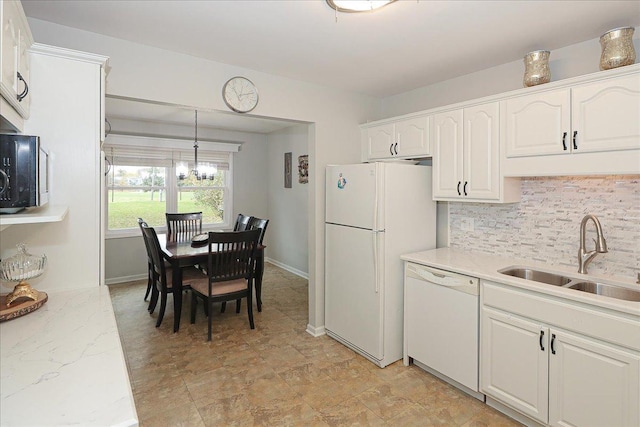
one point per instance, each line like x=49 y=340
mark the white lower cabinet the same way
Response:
x=553 y=376
x=514 y=364
x=592 y=384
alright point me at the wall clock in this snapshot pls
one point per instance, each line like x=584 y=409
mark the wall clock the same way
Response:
x=240 y=94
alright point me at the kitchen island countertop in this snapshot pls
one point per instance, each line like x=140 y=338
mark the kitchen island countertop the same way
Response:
x=63 y=364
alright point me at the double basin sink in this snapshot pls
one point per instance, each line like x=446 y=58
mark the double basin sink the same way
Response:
x=598 y=288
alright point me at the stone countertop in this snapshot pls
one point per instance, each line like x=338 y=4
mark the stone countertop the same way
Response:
x=486 y=267
x=63 y=364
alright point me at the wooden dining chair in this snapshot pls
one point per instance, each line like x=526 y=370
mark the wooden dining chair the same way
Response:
x=183 y=224
x=242 y=222
x=142 y=222
x=162 y=276
x=258 y=224
x=252 y=223
x=230 y=268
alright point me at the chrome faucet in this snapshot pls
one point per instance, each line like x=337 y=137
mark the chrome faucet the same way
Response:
x=584 y=257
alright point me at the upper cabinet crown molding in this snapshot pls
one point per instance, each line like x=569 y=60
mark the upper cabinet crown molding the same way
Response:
x=62 y=52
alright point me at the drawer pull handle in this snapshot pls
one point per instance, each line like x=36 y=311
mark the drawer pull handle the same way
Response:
x=391 y=149
x=564 y=141
x=459 y=182
x=553 y=340
x=541 y=337
x=464 y=188
x=575 y=144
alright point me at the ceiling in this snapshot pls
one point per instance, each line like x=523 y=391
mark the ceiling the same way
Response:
x=404 y=46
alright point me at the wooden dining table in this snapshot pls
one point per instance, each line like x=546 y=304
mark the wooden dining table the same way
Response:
x=180 y=253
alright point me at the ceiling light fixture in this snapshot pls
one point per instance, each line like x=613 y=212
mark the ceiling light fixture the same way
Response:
x=357 y=5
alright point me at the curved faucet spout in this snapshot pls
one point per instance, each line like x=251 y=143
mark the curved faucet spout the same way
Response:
x=584 y=257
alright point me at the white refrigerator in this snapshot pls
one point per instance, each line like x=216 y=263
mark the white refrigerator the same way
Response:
x=375 y=212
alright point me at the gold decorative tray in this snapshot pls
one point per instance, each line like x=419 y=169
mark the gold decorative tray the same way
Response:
x=20 y=308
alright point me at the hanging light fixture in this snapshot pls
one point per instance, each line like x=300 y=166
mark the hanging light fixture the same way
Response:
x=195 y=171
x=358 y=5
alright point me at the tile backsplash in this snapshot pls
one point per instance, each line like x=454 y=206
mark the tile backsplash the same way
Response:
x=545 y=225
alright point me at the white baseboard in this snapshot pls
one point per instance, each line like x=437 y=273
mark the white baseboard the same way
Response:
x=288 y=268
x=123 y=279
x=316 y=332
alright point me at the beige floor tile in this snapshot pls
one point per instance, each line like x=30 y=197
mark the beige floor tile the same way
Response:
x=274 y=375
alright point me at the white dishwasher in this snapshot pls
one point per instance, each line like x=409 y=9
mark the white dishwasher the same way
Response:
x=441 y=324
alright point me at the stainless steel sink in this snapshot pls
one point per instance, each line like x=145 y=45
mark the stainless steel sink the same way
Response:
x=556 y=279
x=537 y=275
x=606 y=290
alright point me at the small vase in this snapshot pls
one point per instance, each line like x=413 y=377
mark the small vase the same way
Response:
x=536 y=68
x=617 y=48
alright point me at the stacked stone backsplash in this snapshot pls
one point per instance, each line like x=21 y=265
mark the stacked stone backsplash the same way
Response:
x=545 y=225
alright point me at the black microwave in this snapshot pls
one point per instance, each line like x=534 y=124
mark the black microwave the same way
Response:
x=24 y=173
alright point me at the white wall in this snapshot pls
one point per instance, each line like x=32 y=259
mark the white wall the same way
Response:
x=287 y=233
x=571 y=61
x=144 y=72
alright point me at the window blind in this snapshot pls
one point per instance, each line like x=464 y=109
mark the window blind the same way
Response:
x=127 y=155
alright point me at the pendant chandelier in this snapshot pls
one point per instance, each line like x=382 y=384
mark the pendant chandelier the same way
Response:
x=199 y=171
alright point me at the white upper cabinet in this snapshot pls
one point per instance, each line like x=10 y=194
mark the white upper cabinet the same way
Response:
x=14 y=58
x=537 y=124
x=404 y=139
x=466 y=161
x=595 y=117
x=448 y=162
x=605 y=116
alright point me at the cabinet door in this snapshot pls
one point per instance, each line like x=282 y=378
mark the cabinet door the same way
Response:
x=380 y=142
x=514 y=363
x=592 y=384
x=9 y=53
x=412 y=136
x=25 y=71
x=537 y=124
x=447 y=137
x=605 y=115
x=481 y=152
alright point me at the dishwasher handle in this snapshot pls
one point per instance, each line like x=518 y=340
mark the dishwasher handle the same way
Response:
x=458 y=282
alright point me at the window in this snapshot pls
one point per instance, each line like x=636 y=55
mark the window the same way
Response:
x=136 y=192
x=147 y=181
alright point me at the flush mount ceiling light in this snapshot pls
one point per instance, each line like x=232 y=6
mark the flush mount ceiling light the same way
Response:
x=358 y=5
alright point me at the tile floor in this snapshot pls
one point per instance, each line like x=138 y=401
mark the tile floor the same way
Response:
x=275 y=375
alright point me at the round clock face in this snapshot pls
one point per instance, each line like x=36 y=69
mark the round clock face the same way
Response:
x=240 y=94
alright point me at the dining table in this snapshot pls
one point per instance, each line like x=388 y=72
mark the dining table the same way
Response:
x=181 y=252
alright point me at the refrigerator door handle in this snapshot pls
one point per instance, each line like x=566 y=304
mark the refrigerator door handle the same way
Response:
x=375 y=260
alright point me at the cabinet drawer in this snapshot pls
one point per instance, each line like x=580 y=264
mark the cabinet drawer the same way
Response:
x=592 y=321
